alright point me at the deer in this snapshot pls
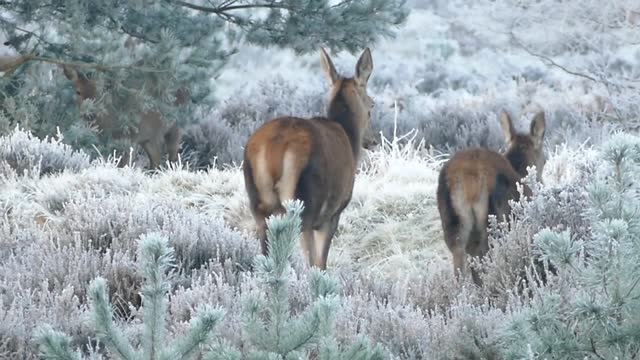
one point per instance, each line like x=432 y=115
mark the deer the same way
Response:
x=478 y=182
x=311 y=159
x=152 y=132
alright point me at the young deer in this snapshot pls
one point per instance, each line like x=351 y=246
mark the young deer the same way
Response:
x=152 y=132
x=477 y=182
x=313 y=160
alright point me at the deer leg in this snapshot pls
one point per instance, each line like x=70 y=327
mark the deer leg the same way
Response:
x=478 y=244
x=322 y=238
x=459 y=262
x=124 y=158
x=172 y=139
x=475 y=276
x=478 y=252
x=306 y=243
x=261 y=230
x=153 y=152
x=457 y=239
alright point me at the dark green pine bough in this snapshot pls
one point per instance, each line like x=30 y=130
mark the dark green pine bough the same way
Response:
x=178 y=43
x=268 y=323
x=591 y=308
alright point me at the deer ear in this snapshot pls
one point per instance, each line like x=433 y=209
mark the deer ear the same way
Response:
x=538 y=128
x=507 y=126
x=327 y=66
x=70 y=72
x=364 y=67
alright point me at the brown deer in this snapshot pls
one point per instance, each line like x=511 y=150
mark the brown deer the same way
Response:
x=477 y=182
x=152 y=133
x=313 y=160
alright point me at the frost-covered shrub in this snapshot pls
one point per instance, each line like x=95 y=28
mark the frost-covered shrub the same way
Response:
x=155 y=261
x=21 y=152
x=511 y=263
x=435 y=78
x=97 y=206
x=197 y=238
x=446 y=128
x=600 y=48
x=429 y=315
x=212 y=143
x=589 y=308
x=61 y=231
x=466 y=326
x=40 y=281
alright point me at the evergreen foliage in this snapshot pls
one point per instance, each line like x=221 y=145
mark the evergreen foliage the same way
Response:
x=269 y=324
x=156 y=258
x=140 y=53
x=590 y=310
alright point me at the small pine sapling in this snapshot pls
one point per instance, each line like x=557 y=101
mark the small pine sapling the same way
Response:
x=590 y=310
x=156 y=258
x=268 y=322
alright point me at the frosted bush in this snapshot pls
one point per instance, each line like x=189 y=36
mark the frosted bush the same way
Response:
x=44 y=281
x=589 y=307
x=212 y=143
x=511 y=264
x=61 y=231
x=155 y=264
x=22 y=152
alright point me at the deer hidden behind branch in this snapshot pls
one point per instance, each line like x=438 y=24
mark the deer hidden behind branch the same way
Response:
x=313 y=160
x=478 y=182
x=153 y=132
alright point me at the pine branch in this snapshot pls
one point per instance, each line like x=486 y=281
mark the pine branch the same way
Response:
x=156 y=258
x=20 y=29
x=359 y=349
x=55 y=345
x=593 y=349
x=10 y=64
x=103 y=321
x=99 y=67
x=226 y=8
x=198 y=333
x=130 y=32
x=633 y=286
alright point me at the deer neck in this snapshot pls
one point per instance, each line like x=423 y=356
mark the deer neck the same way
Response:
x=349 y=118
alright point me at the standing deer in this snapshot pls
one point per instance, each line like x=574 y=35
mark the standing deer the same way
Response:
x=313 y=160
x=152 y=133
x=477 y=182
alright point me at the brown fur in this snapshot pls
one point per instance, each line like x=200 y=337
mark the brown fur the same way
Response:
x=477 y=182
x=11 y=62
x=313 y=160
x=152 y=132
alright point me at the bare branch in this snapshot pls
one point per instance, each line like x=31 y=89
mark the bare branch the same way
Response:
x=548 y=60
